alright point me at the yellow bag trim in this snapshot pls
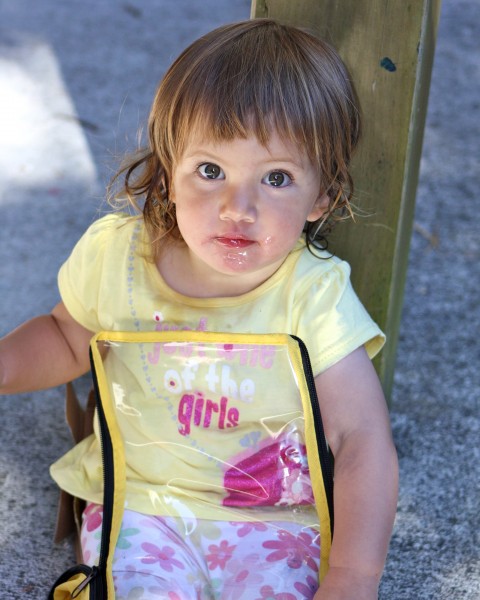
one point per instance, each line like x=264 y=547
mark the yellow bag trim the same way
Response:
x=65 y=590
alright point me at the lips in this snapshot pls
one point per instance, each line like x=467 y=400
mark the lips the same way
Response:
x=237 y=242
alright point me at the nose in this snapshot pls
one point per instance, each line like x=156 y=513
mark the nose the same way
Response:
x=238 y=204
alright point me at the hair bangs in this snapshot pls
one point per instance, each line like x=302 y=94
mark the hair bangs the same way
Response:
x=254 y=84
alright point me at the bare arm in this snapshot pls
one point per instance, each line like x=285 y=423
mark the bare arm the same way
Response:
x=366 y=477
x=44 y=352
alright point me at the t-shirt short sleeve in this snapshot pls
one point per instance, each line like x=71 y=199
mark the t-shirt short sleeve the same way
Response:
x=81 y=278
x=331 y=320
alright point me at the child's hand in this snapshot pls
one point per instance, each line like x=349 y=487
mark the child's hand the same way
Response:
x=347 y=584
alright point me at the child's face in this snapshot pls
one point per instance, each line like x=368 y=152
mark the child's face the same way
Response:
x=241 y=208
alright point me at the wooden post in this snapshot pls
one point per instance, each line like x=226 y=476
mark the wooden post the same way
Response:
x=388 y=46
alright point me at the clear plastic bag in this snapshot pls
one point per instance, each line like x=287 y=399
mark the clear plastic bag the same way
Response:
x=216 y=443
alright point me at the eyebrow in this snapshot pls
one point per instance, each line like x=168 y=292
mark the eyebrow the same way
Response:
x=203 y=153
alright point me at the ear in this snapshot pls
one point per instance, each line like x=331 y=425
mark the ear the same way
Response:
x=319 y=208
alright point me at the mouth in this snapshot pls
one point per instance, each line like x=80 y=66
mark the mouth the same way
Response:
x=234 y=242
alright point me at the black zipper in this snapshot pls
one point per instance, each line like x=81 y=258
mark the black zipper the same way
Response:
x=90 y=579
x=324 y=452
x=100 y=580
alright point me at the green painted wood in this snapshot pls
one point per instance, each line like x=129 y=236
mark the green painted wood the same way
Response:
x=388 y=46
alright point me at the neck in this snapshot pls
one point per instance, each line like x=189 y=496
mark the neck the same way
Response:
x=189 y=276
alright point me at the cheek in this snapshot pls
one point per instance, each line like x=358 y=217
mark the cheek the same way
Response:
x=282 y=236
x=192 y=220
x=289 y=222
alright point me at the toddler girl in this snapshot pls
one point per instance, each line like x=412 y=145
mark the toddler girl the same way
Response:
x=250 y=139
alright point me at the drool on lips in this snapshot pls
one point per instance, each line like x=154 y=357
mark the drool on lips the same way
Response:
x=234 y=242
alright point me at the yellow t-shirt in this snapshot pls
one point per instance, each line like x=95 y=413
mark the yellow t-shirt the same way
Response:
x=108 y=284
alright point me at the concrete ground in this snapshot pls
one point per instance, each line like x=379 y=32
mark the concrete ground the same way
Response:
x=76 y=81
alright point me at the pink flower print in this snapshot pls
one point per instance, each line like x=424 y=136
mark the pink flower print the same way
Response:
x=131 y=572
x=308 y=589
x=219 y=555
x=268 y=593
x=295 y=549
x=164 y=556
x=86 y=556
x=92 y=516
x=159 y=592
x=137 y=593
x=248 y=527
x=244 y=578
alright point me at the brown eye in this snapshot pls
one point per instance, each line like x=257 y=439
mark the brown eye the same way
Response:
x=211 y=171
x=278 y=179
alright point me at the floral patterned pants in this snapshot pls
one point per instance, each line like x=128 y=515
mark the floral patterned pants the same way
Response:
x=188 y=559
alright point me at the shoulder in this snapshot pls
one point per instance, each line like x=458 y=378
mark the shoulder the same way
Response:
x=109 y=237
x=106 y=242
x=317 y=274
x=94 y=277
x=110 y=228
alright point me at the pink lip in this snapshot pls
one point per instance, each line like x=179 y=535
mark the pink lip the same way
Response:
x=234 y=241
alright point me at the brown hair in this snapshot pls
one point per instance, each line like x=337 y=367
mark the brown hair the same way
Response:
x=248 y=77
